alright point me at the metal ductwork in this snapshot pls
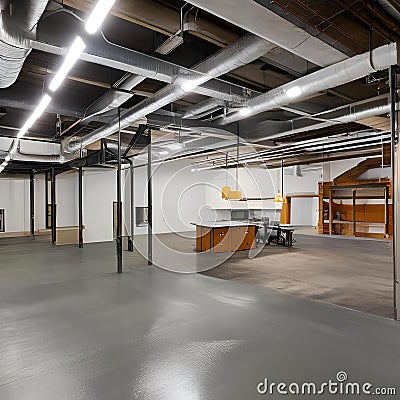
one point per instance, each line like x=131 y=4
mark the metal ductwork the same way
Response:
x=102 y=52
x=339 y=115
x=247 y=49
x=203 y=108
x=56 y=159
x=17 y=26
x=114 y=98
x=17 y=155
x=335 y=75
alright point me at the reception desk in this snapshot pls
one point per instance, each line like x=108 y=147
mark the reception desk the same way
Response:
x=225 y=236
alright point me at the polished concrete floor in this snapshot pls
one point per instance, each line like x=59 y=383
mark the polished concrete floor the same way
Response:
x=71 y=328
x=351 y=272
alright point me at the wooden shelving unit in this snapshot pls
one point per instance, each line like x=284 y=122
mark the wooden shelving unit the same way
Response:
x=359 y=209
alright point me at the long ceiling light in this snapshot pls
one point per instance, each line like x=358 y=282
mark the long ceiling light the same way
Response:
x=71 y=58
x=39 y=110
x=98 y=15
x=93 y=23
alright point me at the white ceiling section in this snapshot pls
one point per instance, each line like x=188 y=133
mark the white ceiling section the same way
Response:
x=257 y=19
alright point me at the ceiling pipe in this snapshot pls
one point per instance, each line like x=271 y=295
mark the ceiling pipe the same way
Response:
x=17 y=26
x=345 y=114
x=103 y=52
x=305 y=146
x=113 y=99
x=203 y=108
x=310 y=85
x=245 y=50
x=390 y=9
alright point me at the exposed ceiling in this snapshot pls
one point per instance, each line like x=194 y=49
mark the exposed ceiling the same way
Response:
x=335 y=29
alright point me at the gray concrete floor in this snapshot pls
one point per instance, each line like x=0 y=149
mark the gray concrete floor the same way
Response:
x=351 y=272
x=71 y=328
x=354 y=273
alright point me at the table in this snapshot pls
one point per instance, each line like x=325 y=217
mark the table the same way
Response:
x=225 y=236
x=284 y=235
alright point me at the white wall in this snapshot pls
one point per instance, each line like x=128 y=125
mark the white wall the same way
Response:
x=304 y=211
x=178 y=196
x=14 y=198
x=66 y=199
x=40 y=210
x=99 y=193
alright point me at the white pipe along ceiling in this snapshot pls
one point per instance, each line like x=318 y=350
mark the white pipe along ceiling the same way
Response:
x=329 y=77
x=326 y=78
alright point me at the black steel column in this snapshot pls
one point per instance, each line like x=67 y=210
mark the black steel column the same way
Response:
x=32 y=204
x=53 y=207
x=119 y=204
x=394 y=165
x=46 y=198
x=80 y=206
x=130 y=240
x=149 y=205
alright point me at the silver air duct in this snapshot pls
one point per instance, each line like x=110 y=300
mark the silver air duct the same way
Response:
x=335 y=75
x=203 y=108
x=339 y=115
x=247 y=49
x=102 y=52
x=17 y=26
x=114 y=98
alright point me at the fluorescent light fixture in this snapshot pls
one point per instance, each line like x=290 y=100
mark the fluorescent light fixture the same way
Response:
x=39 y=110
x=71 y=58
x=245 y=112
x=8 y=158
x=294 y=91
x=98 y=15
x=22 y=131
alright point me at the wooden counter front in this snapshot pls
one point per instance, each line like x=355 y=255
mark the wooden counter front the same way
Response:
x=228 y=237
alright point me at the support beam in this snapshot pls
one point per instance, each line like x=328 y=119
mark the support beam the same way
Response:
x=53 y=207
x=135 y=139
x=132 y=203
x=80 y=206
x=149 y=204
x=32 y=203
x=119 y=203
x=395 y=185
x=46 y=198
